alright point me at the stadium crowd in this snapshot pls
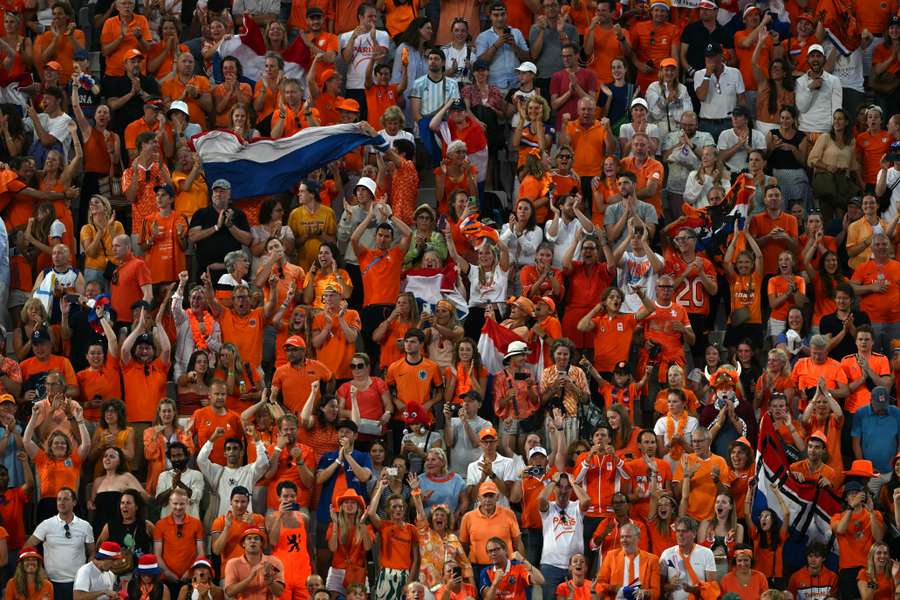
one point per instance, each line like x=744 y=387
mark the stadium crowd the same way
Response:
x=610 y=310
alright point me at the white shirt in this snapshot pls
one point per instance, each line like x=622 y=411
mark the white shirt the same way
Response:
x=565 y=233
x=721 y=97
x=563 y=534
x=682 y=161
x=91 y=579
x=63 y=556
x=191 y=478
x=817 y=106
x=58 y=127
x=224 y=479
x=636 y=271
x=492 y=289
x=522 y=247
x=667 y=113
x=502 y=467
x=690 y=426
x=702 y=560
x=891 y=179
x=363 y=50
x=849 y=69
x=738 y=160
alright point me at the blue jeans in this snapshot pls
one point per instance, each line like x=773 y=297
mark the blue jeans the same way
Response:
x=553 y=576
x=533 y=540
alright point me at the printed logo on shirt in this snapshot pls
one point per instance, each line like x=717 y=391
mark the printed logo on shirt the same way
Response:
x=422 y=374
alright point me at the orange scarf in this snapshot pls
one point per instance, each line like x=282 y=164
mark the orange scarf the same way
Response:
x=675 y=450
x=196 y=334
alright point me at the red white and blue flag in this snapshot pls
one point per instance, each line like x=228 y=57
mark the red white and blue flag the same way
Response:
x=494 y=341
x=249 y=47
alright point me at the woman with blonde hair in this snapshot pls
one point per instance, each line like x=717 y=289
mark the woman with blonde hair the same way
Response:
x=879 y=579
x=710 y=173
x=30 y=581
x=437 y=542
x=59 y=177
x=392 y=122
x=389 y=334
x=776 y=378
x=164 y=431
x=531 y=136
x=32 y=316
x=97 y=236
x=349 y=539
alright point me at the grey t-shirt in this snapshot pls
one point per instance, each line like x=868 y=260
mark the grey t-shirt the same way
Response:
x=614 y=212
x=463 y=452
x=550 y=59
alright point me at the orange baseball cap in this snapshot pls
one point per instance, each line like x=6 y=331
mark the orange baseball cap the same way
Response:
x=296 y=341
x=53 y=66
x=668 y=62
x=133 y=53
x=348 y=104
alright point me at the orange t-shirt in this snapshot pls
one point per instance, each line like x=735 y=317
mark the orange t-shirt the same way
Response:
x=112 y=29
x=219 y=91
x=612 y=339
x=168 y=63
x=65 y=50
x=295 y=384
x=272 y=99
x=337 y=350
x=589 y=147
x=45 y=591
x=125 y=289
x=651 y=171
x=179 y=542
x=476 y=529
x=881 y=54
x=745 y=294
x=606 y=48
x=881 y=307
x=871 y=148
x=381 y=274
x=413 y=382
x=658 y=328
x=56 y=473
x=144 y=386
x=533 y=189
x=862 y=396
x=206 y=420
x=745 y=56
x=761 y=225
x=233 y=548
x=778 y=286
x=173 y=88
x=806 y=375
x=288 y=470
x=874 y=17
x=326 y=104
x=136 y=128
x=103 y=382
x=703 y=490
x=378 y=99
x=34 y=366
x=628 y=396
x=165 y=258
x=244 y=332
x=397 y=543
x=639 y=473
x=854 y=544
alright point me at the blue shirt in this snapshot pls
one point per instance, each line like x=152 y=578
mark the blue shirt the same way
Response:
x=327 y=492
x=878 y=435
x=503 y=67
x=443 y=491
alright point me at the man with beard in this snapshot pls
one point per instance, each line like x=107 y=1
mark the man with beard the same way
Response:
x=290 y=461
x=235 y=473
x=813 y=469
x=681 y=151
x=629 y=568
x=216 y=418
x=254 y=575
x=818 y=93
x=144 y=372
x=563 y=528
x=694 y=278
x=617 y=215
x=182 y=477
x=218 y=229
x=668 y=326
x=295 y=381
x=427 y=95
x=127 y=95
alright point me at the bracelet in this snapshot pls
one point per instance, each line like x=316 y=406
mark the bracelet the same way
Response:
x=415 y=493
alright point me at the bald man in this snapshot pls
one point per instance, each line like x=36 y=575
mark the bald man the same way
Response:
x=131 y=281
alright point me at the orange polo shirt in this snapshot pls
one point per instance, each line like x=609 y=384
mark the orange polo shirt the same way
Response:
x=179 y=551
x=295 y=384
x=871 y=148
x=112 y=29
x=233 y=547
x=103 y=382
x=589 y=145
x=650 y=171
x=244 y=332
x=476 y=529
x=63 y=55
x=144 y=386
x=173 y=88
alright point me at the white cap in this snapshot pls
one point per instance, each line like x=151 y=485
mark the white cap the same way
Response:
x=367 y=183
x=516 y=348
x=639 y=102
x=815 y=48
x=57 y=229
x=527 y=67
x=537 y=450
x=178 y=105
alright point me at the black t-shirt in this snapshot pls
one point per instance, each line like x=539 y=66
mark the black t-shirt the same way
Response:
x=116 y=87
x=832 y=325
x=697 y=36
x=214 y=248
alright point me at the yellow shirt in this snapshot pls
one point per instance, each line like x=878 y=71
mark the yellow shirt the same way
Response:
x=308 y=228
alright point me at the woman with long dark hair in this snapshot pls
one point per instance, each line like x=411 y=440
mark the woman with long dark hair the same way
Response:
x=107 y=490
x=193 y=385
x=412 y=48
x=775 y=89
x=835 y=163
x=788 y=150
x=824 y=281
x=147 y=583
x=127 y=525
x=12 y=133
x=112 y=430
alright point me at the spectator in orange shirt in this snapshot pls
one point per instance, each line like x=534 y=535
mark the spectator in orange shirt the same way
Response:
x=871 y=145
x=178 y=541
x=856 y=529
x=334 y=332
x=653 y=41
x=192 y=89
x=774 y=230
x=399 y=556
x=60 y=42
x=129 y=31
x=228 y=529
x=164 y=238
x=254 y=575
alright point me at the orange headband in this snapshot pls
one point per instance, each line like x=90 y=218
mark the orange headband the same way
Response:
x=744 y=552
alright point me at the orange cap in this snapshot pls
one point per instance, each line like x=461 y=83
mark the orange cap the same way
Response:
x=488 y=487
x=133 y=53
x=668 y=62
x=296 y=341
x=53 y=65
